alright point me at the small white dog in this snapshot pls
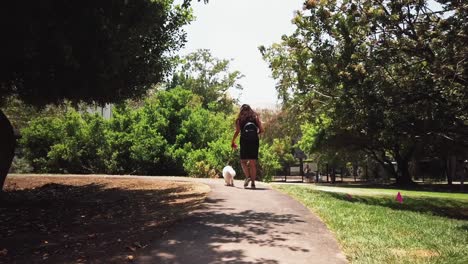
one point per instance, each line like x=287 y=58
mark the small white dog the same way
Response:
x=228 y=174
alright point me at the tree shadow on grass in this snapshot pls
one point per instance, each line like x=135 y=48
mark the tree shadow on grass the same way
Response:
x=421 y=187
x=215 y=233
x=448 y=208
x=59 y=223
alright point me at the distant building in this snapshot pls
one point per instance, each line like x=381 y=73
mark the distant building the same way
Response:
x=104 y=111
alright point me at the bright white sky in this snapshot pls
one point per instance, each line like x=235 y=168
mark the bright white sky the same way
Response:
x=233 y=29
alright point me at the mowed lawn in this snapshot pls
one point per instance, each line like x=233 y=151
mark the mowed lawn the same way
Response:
x=372 y=227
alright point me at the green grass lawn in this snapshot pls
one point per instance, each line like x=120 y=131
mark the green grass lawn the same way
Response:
x=371 y=227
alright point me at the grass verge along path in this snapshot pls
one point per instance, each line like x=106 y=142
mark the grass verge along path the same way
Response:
x=372 y=227
x=88 y=219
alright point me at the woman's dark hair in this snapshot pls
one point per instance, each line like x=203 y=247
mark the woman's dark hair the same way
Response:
x=246 y=114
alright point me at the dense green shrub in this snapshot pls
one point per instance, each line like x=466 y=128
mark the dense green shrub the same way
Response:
x=170 y=133
x=141 y=141
x=74 y=143
x=119 y=138
x=269 y=161
x=38 y=139
x=210 y=161
x=81 y=148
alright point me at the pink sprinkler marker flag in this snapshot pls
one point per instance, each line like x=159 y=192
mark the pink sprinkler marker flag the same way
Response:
x=399 y=198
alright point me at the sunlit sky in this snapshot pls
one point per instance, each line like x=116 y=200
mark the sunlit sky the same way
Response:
x=233 y=29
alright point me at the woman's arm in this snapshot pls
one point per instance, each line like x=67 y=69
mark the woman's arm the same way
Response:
x=233 y=142
x=260 y=126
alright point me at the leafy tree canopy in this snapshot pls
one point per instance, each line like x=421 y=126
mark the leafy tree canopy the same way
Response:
x=390 y=75
x=94 y=51
x=208 y=77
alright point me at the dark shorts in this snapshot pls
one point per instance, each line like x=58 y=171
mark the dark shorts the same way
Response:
x=249 y=149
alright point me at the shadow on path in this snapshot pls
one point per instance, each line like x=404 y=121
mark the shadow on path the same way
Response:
x=205 y=235
x=243 y=226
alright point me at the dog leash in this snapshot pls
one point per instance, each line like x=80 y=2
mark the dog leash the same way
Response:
x=231 y=158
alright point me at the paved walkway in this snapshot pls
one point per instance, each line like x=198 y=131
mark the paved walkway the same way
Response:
x=243 y=226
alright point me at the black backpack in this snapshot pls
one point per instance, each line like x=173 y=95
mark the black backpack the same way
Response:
x=249 y=132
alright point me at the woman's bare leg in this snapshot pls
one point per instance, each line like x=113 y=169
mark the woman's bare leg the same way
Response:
x=245 y=168
x=253 y=171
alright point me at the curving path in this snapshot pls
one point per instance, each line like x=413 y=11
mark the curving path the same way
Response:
x=241 y=226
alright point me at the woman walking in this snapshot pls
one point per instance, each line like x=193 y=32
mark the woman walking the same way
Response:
x=248 y=125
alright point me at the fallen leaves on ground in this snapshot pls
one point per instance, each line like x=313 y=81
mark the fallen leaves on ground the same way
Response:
x=83 y=219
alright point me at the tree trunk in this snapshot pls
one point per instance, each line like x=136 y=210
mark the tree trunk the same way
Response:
x=333 y=176
x=301 y=169
x=462 y=179
x=7 y=149
x=452 y=167
x=355 y=170
x=447 y=171
x=327 y=173
x=403 y=175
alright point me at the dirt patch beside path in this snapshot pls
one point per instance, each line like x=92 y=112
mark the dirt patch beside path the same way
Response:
x=89 y=219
